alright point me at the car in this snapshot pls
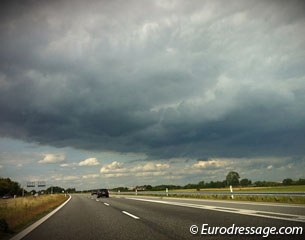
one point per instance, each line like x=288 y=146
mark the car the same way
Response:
x=103 y=193
x=6 y=196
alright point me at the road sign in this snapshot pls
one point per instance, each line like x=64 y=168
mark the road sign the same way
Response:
x=41 y=184
x=30 y=184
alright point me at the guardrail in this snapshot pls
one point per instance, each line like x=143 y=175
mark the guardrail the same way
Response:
x=169 y=193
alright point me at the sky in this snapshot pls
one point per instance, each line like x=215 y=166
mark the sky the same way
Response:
x=124 y=93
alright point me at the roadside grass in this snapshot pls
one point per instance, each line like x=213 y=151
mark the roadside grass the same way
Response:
x=253 y=198
x=21 y=212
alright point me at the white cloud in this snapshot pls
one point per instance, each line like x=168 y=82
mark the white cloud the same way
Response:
x=64 y=165
x=112 y=167
x=111 y=175
x=147 y=174
x=73 y=164
x=162 y=166
x=210 y=164
x=90 y=176
x=89 y=162
x=118 y=169
x=66 y=178
x=53 y=158
x=150 y=166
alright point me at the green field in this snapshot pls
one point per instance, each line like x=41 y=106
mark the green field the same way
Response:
x=294 y=188
x=275 y=199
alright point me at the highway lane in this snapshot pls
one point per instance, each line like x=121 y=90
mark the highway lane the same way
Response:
x=256 y=206
x=122 y=218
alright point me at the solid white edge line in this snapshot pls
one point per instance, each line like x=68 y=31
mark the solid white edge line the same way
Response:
x=130 y=215
x=107 y=204
x=29 y=229
x=281 y=216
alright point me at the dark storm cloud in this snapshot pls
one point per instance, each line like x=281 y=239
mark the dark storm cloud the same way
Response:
x=167 y=78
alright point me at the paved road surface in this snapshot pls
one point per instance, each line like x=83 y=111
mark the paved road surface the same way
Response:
x=87 y=218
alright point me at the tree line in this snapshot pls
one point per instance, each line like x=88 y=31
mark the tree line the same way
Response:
x=9 y=187
x=232 y=178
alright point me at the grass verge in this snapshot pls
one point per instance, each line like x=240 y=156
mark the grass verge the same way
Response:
x=21 y=212
x=253 y=198
x=294 y=188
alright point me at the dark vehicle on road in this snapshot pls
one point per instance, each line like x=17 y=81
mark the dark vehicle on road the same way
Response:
x=6 y=196
x=103 y=193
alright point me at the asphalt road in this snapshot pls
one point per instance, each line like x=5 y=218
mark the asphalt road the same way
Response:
x=87 y=218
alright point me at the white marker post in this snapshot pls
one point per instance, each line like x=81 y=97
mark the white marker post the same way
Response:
x=166 y=190
x=136 y=191
x=231 y=190
x=119 y=192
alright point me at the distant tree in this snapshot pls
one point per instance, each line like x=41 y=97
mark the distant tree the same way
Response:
x=233 y=178
x=55 y=189
x=217 y=184
x=7 y=186
x=266 y=184
x=148 y=187
x=33 y=192
x=201 y=184
x=191 y=186
x=121 y=189
x=245 y=182
x=300 y=182
x=287 y=181
x=70 y=190
x=163 y=187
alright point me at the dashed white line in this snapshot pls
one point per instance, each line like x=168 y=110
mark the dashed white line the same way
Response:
x=130 y=215
x=97 y=200
x=107 y=204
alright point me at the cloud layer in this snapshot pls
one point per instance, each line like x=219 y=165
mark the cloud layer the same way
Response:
x=165 y=78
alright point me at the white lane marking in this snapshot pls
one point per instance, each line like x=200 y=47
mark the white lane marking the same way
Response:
x=107 y=204
x=97 y=200
x=36 y=224
x=273 y=215
x=130 y=215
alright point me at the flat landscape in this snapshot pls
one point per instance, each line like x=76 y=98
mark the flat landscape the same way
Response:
x=188 y=114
